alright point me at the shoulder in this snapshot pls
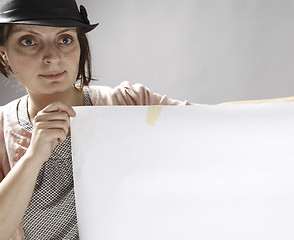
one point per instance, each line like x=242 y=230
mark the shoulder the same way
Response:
x=6 y=109
x=1 y=120
x=15 y=138
x=9 y=110
x=9 y=121
x=5 y=127
x=1 y=114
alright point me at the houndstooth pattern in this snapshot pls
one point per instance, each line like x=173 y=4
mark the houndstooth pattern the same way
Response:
x=51 y=213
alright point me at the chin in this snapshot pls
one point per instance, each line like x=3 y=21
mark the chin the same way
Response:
x=58 y=88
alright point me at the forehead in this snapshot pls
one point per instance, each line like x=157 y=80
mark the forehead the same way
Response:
x=40 y=30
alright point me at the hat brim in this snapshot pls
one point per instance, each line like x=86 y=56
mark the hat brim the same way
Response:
x=58 y=23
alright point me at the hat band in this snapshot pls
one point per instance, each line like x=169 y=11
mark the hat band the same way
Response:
x=20 y=15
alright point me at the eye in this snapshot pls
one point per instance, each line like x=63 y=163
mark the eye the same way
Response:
x=28 y=42
x=65 y=41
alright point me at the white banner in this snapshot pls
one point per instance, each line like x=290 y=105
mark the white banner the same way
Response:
x=203 y=172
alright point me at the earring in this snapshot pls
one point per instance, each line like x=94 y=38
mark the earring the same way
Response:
x=5 y=58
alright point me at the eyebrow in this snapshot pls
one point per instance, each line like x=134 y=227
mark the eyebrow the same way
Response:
x=17 y=30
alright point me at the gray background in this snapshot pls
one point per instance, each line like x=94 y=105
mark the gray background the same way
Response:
x=205 y=51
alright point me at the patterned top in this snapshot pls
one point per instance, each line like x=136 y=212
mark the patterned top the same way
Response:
x=51 y=213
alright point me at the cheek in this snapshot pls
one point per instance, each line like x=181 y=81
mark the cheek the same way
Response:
x=24 y=73
x=73 y=60
x=21 y=65
x=19 y=60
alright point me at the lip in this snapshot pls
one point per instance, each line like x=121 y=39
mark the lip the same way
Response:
x=53 y=75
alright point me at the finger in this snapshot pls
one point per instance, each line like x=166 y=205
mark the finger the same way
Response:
x=53 y=125
x=54 y=144
x=49 y=135
x=52 y=116
x=58 y=106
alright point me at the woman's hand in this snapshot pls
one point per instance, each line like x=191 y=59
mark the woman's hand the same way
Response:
x=50 y=126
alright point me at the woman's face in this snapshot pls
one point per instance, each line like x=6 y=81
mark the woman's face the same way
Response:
x=44 y=59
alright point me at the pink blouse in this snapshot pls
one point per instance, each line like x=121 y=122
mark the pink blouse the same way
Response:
x=14 y=140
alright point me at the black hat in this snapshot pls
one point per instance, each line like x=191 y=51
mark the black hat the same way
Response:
x=55 y=13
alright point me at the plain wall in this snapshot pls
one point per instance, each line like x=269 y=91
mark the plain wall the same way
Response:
x=205 y=51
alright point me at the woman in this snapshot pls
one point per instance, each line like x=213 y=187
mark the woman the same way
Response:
x=44 y=44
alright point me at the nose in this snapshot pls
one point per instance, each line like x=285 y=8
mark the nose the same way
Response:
x=51 y=54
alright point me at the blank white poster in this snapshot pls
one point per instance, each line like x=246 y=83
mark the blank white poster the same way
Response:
x=184 y=172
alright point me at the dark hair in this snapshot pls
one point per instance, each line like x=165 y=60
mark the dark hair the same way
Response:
x=85 y=66
x=5 y=30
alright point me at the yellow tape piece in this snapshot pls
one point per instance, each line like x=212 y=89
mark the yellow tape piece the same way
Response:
x=153 y=114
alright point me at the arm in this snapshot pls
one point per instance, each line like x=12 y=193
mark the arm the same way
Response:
x=140 y=95
x=15 y=193
x=129 y=94
x=17 y=187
